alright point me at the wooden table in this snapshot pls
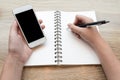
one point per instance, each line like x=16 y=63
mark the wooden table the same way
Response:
x=105 y=9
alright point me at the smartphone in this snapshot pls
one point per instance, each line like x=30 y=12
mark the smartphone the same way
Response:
x=29 y=25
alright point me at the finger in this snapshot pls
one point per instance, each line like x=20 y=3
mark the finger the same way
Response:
x=82 y=19
x=20 y=35
x=19 y=31
x=42 y=26
x=74 y=28
x=78 y=19
x=16 y=30
x=40 y=21
x=14 y=27
x=77 y=35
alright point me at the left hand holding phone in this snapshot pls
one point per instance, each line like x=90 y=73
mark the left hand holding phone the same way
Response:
x=18 y=48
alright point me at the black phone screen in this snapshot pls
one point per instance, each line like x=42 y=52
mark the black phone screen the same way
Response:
x=29 y=25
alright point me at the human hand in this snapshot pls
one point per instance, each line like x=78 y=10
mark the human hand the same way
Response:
x=90 y=34
x=18 y=48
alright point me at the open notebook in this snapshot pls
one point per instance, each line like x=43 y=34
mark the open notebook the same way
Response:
x=62 y=46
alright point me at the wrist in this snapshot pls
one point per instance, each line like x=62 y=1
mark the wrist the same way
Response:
x=12 y=69
x=99 y=45
x=97 y=42
x=12 y=60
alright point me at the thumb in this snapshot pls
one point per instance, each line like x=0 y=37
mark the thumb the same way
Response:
x=14 y=28
x=74 y=28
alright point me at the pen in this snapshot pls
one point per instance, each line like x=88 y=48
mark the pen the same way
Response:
x=93 y=23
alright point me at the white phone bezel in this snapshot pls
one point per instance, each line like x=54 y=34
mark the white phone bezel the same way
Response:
x=36 y=42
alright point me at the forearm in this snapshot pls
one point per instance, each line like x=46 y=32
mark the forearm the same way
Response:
x=12 y=69
x=109 y=61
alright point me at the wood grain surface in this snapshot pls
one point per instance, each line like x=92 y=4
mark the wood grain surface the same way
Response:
x=105 y=9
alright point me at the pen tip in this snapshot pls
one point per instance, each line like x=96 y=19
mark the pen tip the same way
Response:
x=107 y=21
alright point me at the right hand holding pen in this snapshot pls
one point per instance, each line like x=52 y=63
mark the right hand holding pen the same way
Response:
x=90 y=35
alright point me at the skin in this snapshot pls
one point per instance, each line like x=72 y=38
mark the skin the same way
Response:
x=13 y=66
x=109 y=61
x=17 y=56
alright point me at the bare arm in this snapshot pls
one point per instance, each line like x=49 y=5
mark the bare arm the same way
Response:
x=12 y=69
x=109 y=61
x=18 y=54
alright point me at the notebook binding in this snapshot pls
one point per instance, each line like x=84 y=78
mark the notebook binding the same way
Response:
x=57 y=37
